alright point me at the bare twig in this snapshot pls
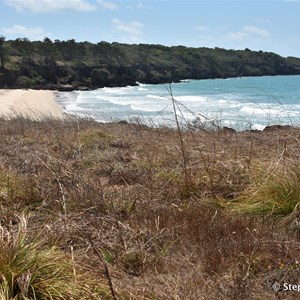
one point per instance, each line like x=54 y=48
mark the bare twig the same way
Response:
x=106 y=271
x=183 y=152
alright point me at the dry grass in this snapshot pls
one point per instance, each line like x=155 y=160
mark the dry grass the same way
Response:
x=117 y=199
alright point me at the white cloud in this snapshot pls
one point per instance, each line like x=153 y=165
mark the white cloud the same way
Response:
x=35 y=33
x=132 y=30
x=138 y=5
x=202 y=28
x=295 y=39
x=107 y=5
x=51 y=5
x=249 y=32
x=256 y=31
x=237 y=36
x=262 y=20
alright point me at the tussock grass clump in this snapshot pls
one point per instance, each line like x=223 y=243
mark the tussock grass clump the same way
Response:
x=29 y=270
x=276 y=195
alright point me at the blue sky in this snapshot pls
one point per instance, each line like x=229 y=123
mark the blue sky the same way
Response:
x=268 y=25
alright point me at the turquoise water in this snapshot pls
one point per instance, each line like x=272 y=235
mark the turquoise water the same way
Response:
x=241 y=103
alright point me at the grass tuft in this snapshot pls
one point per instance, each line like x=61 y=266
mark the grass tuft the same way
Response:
x=276 y=196
x=29 y=270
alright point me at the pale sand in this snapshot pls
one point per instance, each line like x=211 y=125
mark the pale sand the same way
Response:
x=34 y=104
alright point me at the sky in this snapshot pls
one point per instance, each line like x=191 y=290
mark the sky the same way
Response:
x=267 y=25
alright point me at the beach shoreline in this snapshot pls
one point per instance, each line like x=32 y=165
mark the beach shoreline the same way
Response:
x=32 y=104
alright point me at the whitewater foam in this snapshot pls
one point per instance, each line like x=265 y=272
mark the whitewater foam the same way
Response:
x=240 y=103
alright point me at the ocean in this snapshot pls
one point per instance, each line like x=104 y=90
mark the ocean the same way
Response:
x=240 y=103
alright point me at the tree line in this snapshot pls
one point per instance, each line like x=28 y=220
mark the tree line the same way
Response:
x=83 y=65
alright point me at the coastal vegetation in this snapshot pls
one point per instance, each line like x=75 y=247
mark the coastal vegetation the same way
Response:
x=121 y=210
x=69 y=65
x=124 y=211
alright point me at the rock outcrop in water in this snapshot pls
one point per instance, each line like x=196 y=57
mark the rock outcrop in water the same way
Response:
x=68 y=65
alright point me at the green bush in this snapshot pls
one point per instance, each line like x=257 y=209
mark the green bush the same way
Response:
x=25 y=82
x=100 y=76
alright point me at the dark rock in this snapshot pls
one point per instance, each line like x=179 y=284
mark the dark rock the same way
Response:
x=277 y=127
x=228 y=129
x=65 y=87
x=123 y=122
x=254 y=130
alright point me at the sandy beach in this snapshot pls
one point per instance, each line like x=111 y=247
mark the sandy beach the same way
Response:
x=35 y=104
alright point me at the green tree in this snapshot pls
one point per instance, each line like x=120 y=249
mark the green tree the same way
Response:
x=70 y=49
x=24 y=47
x=3 y=51
x=100 y=77
x=48 y=50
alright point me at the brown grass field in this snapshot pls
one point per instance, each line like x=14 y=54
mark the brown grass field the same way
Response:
x=124 y=211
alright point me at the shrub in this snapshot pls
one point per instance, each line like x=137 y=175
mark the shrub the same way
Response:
x=100 y=77
x=25 y=82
